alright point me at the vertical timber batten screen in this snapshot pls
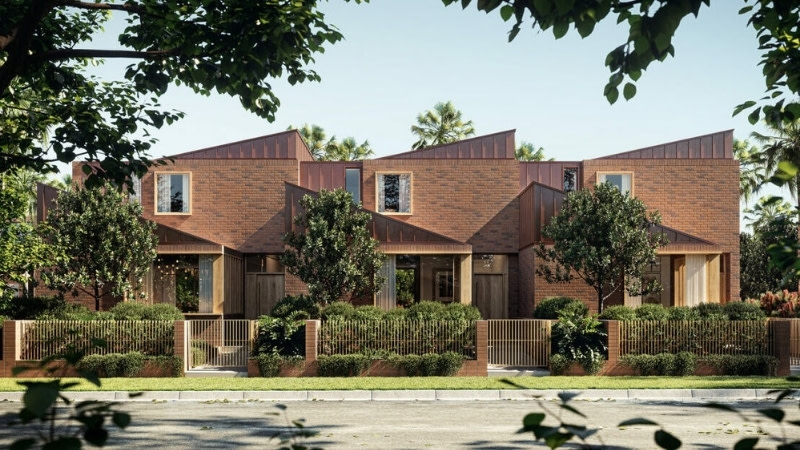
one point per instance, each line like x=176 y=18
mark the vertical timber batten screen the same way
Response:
x=519 y=342
x=219 y=343
x=51 y=338
x=416 y=337
x=794 y=344
x=706 y=337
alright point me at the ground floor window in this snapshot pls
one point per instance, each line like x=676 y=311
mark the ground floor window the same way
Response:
x=413 y=278
x=185 y=281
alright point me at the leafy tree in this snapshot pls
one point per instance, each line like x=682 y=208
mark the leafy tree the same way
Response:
x=330 y=149
x=769 y=209
x=781 y=147
x=527 y=151
x=316 y=139
x=441 y=125
x=651 y=27
x=232 y=47
x=22 y=249
x=602 y=237
x=751 y=171
x=108 y=245
x=349 y=150
x=333 y=253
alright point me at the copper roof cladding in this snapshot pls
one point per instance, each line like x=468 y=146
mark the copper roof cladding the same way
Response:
x=394 y=235
x=174 y=241
x=548 y=173
x=491 y=146
x=717 y=145
x=284 y=145
x=46 y=197
x=325 y=175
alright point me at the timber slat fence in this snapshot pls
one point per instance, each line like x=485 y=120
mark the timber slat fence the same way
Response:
x=794 y=345
x=343 y=337
x=45 y=339
x=519 y=343
x=640 y=337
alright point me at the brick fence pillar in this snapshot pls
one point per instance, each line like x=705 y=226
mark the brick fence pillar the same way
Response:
x=781 y=344
x=482 y=347
x=312 y=340
x=612 y=328
x=180 y=343
x=10 y=347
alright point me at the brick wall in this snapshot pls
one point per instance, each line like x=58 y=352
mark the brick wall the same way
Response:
x=696 y=196
x=469 y=200
x=235 y=202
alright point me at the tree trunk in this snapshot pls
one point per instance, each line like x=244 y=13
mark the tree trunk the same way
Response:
x=96 y=297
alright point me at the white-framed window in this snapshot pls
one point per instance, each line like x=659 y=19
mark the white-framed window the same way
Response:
x=394 y=193
x=173 y=193
x=621 y=180
x=135 y=192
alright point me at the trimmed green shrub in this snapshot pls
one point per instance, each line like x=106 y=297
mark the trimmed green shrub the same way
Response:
x=142 y=311
x=662 y=364
x=113 y=364
x=461 y=311
x=550 y=307
x=711 y=311
x=270 y=365
x=618 y=312
x=299 y=307
x=744 y=310
x=342 y=365
x=580 y=339
x=372 y=313
x=69 y=311
x=744 y=365
x=426 y=310
x=395 y=314
x=338 y=310
x=200 y=350
x=559 y=364
x=429 y=364
x=651 y=311
x=682 y=313
x=278 y=336
x=27 y=308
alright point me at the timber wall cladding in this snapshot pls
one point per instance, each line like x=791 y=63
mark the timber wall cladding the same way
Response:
x=696 y=196
x=239 y=206
x=471 y=201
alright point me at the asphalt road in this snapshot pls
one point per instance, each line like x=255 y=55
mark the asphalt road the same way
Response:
x=439 y=424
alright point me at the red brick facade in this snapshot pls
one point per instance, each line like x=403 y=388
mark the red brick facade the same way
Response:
x=465 y=198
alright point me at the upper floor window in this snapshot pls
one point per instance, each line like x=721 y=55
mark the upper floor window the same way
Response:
x=352 y=183
x=135 y=192
x=570 y=179
x=394 y=192
x=621 y=180
x=173 y=193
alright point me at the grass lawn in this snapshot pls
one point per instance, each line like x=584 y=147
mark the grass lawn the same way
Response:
x=376 y=383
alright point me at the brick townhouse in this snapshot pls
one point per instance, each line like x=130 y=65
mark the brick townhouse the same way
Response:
x=458 y=221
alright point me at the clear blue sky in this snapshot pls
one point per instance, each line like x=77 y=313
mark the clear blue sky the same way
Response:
x=399 y=58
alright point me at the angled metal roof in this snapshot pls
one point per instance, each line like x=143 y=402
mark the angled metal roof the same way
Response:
x=284 y=145
x=174 y=241
x=717 y=145
x=491 y=146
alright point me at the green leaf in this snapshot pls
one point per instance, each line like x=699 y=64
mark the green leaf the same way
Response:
x=754 y=116
x=629 y=91
x=743 y=106
x=746 y=444
x=612 y=94
x=666 y=440
x=775 y=414
x=506 y=12
x=564 y=6
x=560 y=29
x=543 y=7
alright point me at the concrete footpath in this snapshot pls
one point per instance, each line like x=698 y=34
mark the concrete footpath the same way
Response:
x=673 y=395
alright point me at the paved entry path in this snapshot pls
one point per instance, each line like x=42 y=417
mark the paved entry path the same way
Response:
x=437 y=424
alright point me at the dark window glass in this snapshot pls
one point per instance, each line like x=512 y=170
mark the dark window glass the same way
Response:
x=353 y=183
x=391 y=189
x=570 y=179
